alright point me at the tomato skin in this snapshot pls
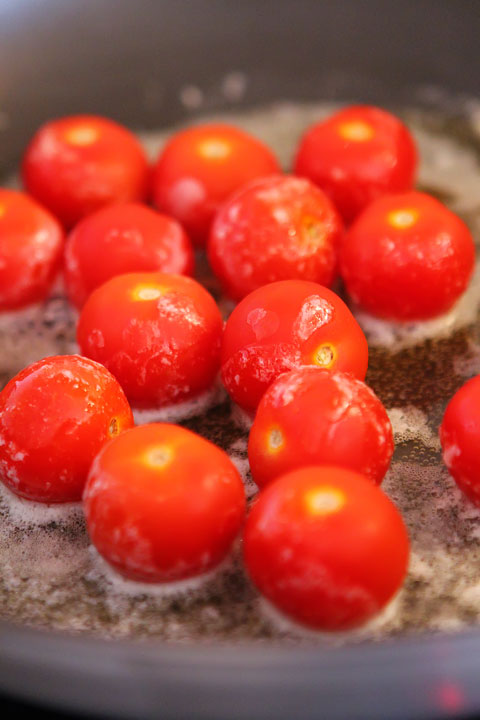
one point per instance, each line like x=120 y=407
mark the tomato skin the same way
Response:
x=460 y=438
x=55 y=415
x=312 y=416
x=78 y=164
x=159 y=334
x=274 y=228
x=119 y=239
x=326 y=547
x=356 y=168
x=31 y=246
x=414 y=272
x=169 y=519
x=200 y=167
x=280 y=327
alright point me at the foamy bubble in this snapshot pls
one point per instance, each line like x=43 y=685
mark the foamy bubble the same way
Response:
x=30 y=513
x=184 y=410
x=238 y=454
x=116 y=584
x=410 y=423
x=241 y=418
x=398 y=335
x=286 y=626
x=35 y=332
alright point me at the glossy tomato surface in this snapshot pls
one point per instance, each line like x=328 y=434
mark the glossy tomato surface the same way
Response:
x=200 y=167
x=31 y=245
x=407 y=257
x=275 y=228
x=356 y=155
x=284 y=325
x=54 y=417
x=163 y=504
x=158 y=333
x=119 y=239
x=460 y=438
x=326 y=547
x=76 y=165
x=312 y=416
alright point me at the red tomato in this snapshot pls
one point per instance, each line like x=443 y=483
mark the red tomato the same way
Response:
x=282 y=326
x=159 y=334
x=326 y=547
x=76 y=165
x=357 y=155
x=407 y=257
x=200 y=167
x=54 y=417
x=31 y=245
x=163 y=504
x=276 y=228
x=312 y=416
x=460 y=438
x=120 y=239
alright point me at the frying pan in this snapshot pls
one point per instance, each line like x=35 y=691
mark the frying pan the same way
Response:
x=130 y=60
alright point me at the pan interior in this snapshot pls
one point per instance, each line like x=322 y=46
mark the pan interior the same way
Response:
x=50 y=576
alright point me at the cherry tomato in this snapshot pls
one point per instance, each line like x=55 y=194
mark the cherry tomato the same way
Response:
x=460 y=438
x=31 y=245
x=312 y=416
x=326 y=547
x=282 y=326
x=163 y=504
x=276 y=228
x=407 y=257
x=120 y=239
x=76 y=165
x=357 y=155
x=55 y=415
x=159 y=334
x=200 y=167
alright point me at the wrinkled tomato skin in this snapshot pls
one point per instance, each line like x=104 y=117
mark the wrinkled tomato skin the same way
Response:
x=55 y=416
x=355 y=168
x=119 y=239
x=312 y=416
x=326 y=547
x=78 y=164
x=460 y=438
x=31 y=247
x=407 y=273
x=200 y=167
x=159 y=334
x=163 y=504
x=280 y=327
x=276 y=228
